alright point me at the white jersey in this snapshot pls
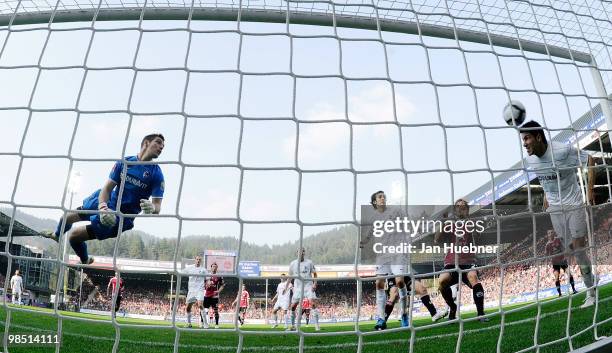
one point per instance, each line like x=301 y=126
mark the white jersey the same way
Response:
x=391 y=213
x=566 y=161
x=16 y=283
x=280 y=289
x=196 y=283
x=306 y=270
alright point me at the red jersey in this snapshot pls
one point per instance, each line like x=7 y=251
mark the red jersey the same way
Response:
x=212 y=285
x=113 y=284
x=244 y=299
x=467 y=258
x=305 y=304
x=555 y=247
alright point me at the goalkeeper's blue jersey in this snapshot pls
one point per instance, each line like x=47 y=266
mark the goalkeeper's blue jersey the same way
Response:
x=141 y=182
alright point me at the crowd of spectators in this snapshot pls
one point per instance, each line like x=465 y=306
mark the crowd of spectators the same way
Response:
x=523 y=271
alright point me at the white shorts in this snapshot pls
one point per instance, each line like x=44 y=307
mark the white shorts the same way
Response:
x=392 y=270
x=195 y=297
x=284 y=305
x=569 y=223
x=309 y=293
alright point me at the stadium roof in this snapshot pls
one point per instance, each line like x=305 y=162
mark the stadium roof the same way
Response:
x=19 y=229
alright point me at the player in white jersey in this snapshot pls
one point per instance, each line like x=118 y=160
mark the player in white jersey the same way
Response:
x=281 y=300
x=304 y=287
x=388 y=264
x=195 y=290
x=555 y=165
x=16 y=287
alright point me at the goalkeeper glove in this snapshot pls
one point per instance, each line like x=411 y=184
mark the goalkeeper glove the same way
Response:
x=147 y=206
x=107 y=219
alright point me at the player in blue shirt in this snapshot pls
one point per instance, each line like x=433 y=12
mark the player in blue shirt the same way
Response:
x=142 y=182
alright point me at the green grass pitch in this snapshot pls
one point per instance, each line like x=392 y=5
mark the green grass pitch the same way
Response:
x=519 y=332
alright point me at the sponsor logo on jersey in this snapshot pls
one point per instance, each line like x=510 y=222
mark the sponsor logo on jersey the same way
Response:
x=547 y=177
x=136 y=182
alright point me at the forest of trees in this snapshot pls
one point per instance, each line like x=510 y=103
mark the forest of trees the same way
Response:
x=336 y=246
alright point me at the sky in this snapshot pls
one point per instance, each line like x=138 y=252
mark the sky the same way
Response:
x=278 y=87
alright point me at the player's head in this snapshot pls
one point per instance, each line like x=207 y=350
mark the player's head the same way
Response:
x=214 y=267
x=283 y=277
x=378 y=199
x=117 y=274
x=198 y=260
x=462 y=209
x=151 y=146
x=243 y=286
x=551 y=234
x=533 y=137
x=17 y=272
x=301 y=253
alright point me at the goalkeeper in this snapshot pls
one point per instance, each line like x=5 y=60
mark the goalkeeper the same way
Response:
x=142 y=182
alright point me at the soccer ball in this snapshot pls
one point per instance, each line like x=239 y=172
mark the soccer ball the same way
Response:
x=516 y=110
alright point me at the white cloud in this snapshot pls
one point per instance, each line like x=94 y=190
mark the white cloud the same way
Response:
x=374 y=104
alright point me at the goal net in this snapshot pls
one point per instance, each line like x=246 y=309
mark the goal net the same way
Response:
x=282 y=120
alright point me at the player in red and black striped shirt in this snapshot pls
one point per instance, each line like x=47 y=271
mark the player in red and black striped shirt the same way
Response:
x=113 y=283
x=212 y=288
x=245 y=298
x=555 y=246
x=465 y=261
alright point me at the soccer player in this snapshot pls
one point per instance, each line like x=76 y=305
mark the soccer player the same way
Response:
x=420 y=290
x=466 y=261
x=245 y=299
x=142 y=182
x=388 y=264
x=112 y=285
x=304 y=287
x=213 y=287
x=559 y=262
x=16 y=287
x=195 y=290
x=281 y=300
x=555 y=165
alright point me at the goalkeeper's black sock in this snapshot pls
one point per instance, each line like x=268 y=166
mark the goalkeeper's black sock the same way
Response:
x=478 y=293
x=426 y=300
x=216 y=317
x=80 y=248
x=571 y=280
x=388 y=309
x=447 y=294
x=558 y=284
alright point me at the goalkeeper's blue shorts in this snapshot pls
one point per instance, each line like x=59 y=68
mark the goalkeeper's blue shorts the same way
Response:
x=96 y=229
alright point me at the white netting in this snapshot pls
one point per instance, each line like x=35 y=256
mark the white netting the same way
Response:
x=563 y=34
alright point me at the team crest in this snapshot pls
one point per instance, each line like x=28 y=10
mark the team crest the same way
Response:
x=146 y=174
